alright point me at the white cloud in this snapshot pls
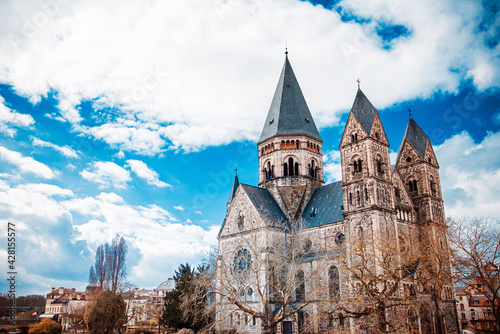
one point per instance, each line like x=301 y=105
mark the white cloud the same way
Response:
x=26 y=164
x=332 y=166
x=470 y=175
x=64 y=150
x=180 y=208
x=107 y=174
x=162 y=244
x=10 y=120
x=205 y=83
x=143 y=171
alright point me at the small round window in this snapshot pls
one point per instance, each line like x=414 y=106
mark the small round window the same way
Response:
x=340 y=238
x=408 y=159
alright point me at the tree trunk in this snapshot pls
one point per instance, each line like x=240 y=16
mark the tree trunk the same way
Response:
x=439 y=318
x=267 y=326
x=382 y=321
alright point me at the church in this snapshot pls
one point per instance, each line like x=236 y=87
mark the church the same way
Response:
x=381 y=204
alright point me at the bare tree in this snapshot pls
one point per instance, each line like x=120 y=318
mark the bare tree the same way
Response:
x=476 y=243
x=435 y=270
x=264 y=278
x=382 y=290
x=110 y=271
x=74 y=316
x=115 y=263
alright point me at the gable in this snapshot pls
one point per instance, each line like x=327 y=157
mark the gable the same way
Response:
x=398 y=183
x=407 y=155
x=378 y=132
x=430 y=157
x=252 y=207
x=352 y=127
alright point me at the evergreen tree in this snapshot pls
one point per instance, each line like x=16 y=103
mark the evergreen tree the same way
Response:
x=175 y=313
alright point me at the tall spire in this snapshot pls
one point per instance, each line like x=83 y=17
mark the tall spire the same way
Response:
x=234 y=187
x=364 y=111
x=288 y=114
x=416 y=136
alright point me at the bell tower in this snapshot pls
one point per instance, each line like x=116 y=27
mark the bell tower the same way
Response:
x=290 y=147
x=419 y=171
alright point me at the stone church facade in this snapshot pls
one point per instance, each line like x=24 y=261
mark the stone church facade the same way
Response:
x=387 y=205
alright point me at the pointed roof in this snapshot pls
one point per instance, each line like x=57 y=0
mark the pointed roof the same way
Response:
x=234 y=187
x=364 y=111
x=266 y=205
x=288 y=114
x=416 y=136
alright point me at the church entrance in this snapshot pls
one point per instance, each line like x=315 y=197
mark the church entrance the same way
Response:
x=287 y=327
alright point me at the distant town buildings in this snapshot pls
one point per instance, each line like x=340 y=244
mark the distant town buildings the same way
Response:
x=143 y=306
x=474 y=308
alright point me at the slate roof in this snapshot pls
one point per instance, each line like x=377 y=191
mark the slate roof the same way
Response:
x=265 y=204
x=288 y=114
x=417 y=138
x=234 y=187
x=324 y=206
x=167 y=285
x=364 y=111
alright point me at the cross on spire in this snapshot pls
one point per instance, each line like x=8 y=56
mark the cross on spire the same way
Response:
x=359 y=82
x=409 y=111
x=286 y=48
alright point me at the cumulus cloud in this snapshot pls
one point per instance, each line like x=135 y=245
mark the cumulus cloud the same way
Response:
x=205 y=83
x=144 y=172
x=332 y=166
x=151 y=230
x=10 y=120
x=26 y=164
x=107 y=174
x=470 y=175
x=64 y=150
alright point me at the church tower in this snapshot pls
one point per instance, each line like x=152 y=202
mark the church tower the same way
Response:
x=364 y=149
x=290 y=147
x=419 y=170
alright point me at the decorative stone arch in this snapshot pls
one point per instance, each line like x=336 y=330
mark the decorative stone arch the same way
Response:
x=290 y=165
x=426 y=318
x=356 y=163
x=380 y=164
x=283 y=145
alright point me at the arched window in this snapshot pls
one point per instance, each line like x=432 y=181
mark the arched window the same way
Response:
x=380 y=170
x=285 y=169
x=350 y=198
x=333 y=284
x=287 y=144
x=290 y=166
x=269 y=174
x=300 y=292
x=298 y=144
x=293 y=145
x=266 y=174
x=282 y=145
x=296 y=168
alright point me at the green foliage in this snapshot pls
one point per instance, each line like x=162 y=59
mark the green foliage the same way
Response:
x=108 y=313
x=176 y=314
x=46 y=326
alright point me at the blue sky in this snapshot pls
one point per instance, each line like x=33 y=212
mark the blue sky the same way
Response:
x=129 y=117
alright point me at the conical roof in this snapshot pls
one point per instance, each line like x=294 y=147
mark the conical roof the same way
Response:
x=288 y=114
x=416 y=136
x=234 y=187
x=364 y=111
